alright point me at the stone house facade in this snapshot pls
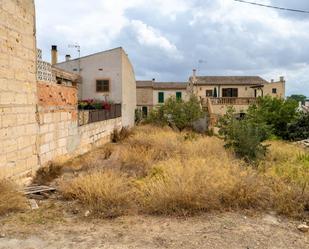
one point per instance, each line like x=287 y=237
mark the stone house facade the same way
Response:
x=215 y=92
x=106 y=76
x=151 y=93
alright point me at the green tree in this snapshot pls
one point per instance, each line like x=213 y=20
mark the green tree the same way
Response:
x=298 y=98
x=244 y=136
x=276 y=113
x=177 y=112
x=299 y=129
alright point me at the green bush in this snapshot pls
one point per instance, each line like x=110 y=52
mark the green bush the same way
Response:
x=244 y=136
x=177 y=113
x=299 y=129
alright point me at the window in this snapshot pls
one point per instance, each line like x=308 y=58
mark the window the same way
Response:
x=102 y=86
x=161 y=97
x=230 y=92
x=178 y=95
x=209 y=93
x=274 y=90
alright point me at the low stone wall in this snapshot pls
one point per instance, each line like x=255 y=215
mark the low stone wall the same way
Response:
x=96 y=134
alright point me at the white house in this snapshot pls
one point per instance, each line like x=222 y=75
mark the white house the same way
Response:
x=107 y=75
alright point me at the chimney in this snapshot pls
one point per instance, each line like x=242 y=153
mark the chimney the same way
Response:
x=194 y=76
x=282 y=79
x=67 y=57
x=194 y=73
x=54 y=55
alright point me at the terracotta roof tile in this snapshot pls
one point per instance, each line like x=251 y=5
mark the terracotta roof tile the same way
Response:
x=229 y=80
x=161 y=85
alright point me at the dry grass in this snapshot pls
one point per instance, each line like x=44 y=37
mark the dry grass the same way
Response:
x=48 y=173
x=106 y=194
x=10 y=199
x=165 y=172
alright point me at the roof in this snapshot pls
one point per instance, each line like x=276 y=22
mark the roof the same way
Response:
x=83 y=57
x=161 y=85
x=229 y=80
x=60 y=73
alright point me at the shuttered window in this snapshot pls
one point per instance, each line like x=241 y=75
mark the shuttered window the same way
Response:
x=161 y=97
x=102 y=86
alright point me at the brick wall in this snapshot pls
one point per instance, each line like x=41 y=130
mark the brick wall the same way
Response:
x=18 y=125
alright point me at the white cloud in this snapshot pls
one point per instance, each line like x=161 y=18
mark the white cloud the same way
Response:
x=149 y=36
x=234 y=38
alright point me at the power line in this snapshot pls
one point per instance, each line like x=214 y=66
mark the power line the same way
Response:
x=274 y=7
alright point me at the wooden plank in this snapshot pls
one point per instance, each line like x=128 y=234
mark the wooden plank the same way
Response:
x=37 y=189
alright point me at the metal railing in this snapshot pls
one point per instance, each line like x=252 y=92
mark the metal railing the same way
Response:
x=92 y=116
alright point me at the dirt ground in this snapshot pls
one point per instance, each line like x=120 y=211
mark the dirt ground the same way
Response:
x=214 y=231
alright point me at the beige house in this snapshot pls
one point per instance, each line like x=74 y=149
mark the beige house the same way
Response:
x=151 y=93
x=106 y=76
x=219 y=92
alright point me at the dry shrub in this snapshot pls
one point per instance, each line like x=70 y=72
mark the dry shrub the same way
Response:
x=48 y=173
x=10 y=199
x=119 y=136
x=90 y=160
x=147 y=146
x=187 y=187
x=106 y=194
x=195 y=185
x=166 y=172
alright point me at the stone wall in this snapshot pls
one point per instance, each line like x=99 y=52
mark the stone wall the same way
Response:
x=59 y=133
x=38 y=120
x=57 y=112
x=18 y=125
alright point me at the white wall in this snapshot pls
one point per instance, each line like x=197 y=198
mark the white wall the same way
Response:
x=113 y=65
x=110 y=63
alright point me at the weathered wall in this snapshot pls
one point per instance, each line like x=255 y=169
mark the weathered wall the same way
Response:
x=128 y=91
x=144 y=96
x=104 y=65
x=96 y=134
x=59 y=133
x=243 y=91
x=57 y=109
x=279 y=86
x=168 y=94
x=18 y=125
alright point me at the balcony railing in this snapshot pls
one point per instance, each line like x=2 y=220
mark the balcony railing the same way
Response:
x=233 y=101
x=92 y=116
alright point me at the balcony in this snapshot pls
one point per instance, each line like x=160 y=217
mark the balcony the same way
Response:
x=92 y=116
x=233 y=101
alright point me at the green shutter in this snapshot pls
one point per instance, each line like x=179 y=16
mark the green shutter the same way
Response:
x=178 y=95
x=161 y=97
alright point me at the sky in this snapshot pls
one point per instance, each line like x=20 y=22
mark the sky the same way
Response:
x=166 y=39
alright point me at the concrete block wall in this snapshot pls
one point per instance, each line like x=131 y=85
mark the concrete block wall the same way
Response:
x=18 y=125
x=96 y=134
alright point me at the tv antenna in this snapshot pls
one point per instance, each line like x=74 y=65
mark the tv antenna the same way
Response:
x=77 y=47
